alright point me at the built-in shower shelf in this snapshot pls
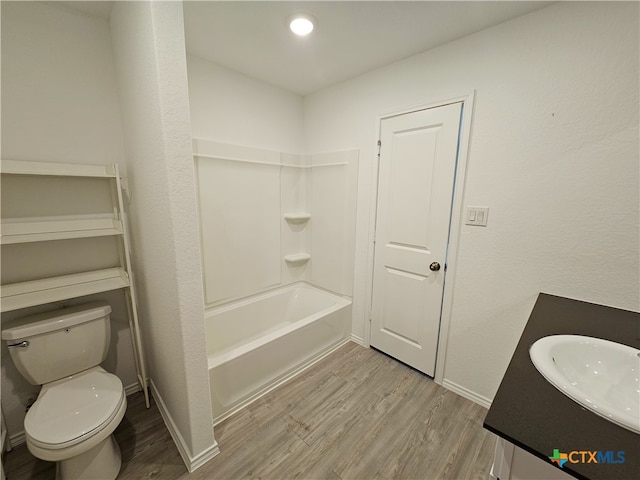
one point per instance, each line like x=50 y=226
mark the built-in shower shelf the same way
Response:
x=39 y=230
x=46 y=290
x=298 y=217
x=297 y=258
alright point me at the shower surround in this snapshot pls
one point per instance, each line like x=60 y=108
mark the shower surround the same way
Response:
x=277 y=237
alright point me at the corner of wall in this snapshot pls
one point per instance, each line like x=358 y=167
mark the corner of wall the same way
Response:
x=154 y=98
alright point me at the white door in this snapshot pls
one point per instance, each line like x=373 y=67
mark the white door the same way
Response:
x=418 y=155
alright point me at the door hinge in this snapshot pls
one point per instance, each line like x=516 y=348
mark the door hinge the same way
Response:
x=379 y=146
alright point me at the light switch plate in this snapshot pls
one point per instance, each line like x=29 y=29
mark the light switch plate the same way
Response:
x=477 y=216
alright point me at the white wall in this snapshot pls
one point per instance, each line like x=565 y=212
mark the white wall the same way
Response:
x=232 y=108
x=148 y=41
x=239 y=205
x=252 y=120
x=554 y=154
x=59 y=96
x=244 y=195
x=331 y=192
x=59 y=104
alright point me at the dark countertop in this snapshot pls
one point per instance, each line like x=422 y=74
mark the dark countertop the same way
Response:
x=532 y=414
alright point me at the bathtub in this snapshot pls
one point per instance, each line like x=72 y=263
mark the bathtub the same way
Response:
x=257 y=343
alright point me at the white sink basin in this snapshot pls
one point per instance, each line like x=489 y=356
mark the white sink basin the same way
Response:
x=598 y=374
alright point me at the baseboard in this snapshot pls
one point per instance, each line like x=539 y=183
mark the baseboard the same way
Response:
x=356 y=339
x=131 y=389
x=466 y=393
x=204 y=457
x=192 y=463
x=17 y=439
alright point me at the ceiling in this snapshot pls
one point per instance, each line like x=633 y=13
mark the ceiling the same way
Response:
x=352 y=37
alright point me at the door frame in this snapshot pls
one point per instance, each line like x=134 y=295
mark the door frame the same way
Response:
x=457 y=217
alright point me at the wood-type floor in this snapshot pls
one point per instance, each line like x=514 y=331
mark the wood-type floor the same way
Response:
x=357 y=414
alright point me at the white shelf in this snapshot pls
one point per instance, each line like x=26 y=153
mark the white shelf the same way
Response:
x=16 y=296
x=297 y=258
x=17 y=167
x=36 y=292
x=38 y=230
x=298 y=217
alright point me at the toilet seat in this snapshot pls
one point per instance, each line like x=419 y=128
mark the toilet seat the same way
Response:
x=74 y=409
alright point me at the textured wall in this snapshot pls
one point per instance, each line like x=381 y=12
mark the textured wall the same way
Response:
x=553 y=153
x=148 y=41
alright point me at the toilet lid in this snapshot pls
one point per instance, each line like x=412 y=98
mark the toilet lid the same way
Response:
x=77 y=407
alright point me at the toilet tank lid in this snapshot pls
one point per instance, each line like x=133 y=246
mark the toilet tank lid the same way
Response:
x=46 y=322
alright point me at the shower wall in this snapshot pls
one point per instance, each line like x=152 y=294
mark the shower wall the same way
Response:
x=269 y=219
x=331 y=198
x=245 y=191
x=239 y=204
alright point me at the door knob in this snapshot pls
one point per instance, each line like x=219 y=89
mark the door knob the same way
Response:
x=434 y=267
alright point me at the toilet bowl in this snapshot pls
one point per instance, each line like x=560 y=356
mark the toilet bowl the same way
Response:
x=72 y=422
x=80 y=404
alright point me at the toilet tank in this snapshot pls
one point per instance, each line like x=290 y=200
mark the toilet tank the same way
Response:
x=53 y=345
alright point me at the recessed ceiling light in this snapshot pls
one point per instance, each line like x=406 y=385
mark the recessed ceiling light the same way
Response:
x=302 y=23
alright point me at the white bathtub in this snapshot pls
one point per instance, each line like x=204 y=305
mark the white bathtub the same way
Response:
x=259 y=342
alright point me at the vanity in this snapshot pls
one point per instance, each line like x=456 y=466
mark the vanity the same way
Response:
x=534 y=420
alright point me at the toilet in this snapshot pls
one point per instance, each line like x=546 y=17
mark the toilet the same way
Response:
x=80 y=404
